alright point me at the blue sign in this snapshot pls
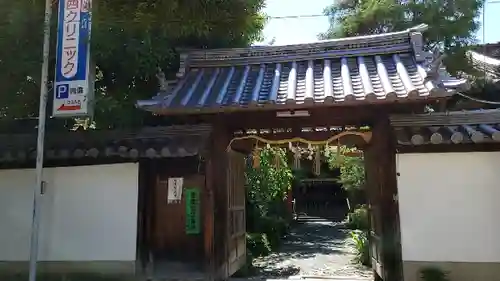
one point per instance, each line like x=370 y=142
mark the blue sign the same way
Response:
x=62 y=91
x=73 y=92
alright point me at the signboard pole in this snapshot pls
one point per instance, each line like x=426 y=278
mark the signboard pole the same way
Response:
x=42 y=114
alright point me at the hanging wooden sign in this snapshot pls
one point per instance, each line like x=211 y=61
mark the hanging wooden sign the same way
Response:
x=192 y=210
x=174 y=190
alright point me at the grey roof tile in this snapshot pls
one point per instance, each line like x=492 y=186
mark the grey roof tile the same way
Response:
x=456 y=134
x=349 y=70
x=147 y=142
x=455 y=127
x=486 y=58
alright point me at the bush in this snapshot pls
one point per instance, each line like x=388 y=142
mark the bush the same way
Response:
x=352 y=168
x=267 y=186
x=359 y=241
x=358 y=219
x=433 y=274
x=258 y=244
x=274 y=228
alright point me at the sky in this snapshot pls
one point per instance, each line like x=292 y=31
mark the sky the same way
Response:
x=302 y=30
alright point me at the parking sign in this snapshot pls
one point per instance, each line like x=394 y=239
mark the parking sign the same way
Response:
x=73 y=91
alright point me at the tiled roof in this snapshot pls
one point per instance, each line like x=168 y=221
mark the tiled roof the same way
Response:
x=459 y=134
x=378 y=68
x=481 y=126
x=148 y=142
x=486 y=58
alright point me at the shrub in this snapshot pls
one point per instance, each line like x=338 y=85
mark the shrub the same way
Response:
x=352 y=168
x=358 y=219
x=258 y=245
x=274 y=228
x=359 y=241
x=433 y=274
x=267 y=187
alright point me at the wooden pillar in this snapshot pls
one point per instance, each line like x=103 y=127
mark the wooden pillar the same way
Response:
x=218 y=164
x=382 y=197
x=209 y=220
x=142 y=217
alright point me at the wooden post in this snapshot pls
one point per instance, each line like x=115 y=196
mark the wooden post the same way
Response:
x=382 y=195
x=218 y=155
x=208 y=223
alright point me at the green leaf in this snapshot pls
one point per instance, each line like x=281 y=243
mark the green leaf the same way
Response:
x=130 y=39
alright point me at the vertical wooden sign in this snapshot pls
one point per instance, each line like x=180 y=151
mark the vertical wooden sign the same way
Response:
x=192 y=210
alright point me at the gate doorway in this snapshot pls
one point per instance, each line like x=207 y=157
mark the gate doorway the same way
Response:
x=321 y=202
x=304 y=91
x=319 y=195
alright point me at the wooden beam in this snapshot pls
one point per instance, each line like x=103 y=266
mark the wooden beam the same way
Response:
x=319 y=117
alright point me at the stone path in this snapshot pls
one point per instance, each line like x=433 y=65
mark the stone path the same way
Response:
x=315 y=248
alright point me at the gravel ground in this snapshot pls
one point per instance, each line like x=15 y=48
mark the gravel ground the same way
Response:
x=315 y=247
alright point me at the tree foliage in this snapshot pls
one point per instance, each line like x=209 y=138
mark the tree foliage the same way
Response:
x=267 y=187
x=481 y=90
x=352 y=168
x=130 y=39
x=270 y=181
x=452 y=23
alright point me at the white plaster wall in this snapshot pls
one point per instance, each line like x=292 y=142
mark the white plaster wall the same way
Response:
x=88 y=213
x=449 y=206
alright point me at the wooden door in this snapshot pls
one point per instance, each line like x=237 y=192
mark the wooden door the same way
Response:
x=171 y=240
x=236 y=227
x=374 y=212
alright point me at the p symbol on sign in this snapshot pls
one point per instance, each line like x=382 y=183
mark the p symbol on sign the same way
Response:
x=62 y=91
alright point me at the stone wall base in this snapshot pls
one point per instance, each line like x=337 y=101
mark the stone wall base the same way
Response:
x=117 y=268
x=457 y=271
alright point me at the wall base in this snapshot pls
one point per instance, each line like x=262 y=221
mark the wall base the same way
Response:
x=122 y=268
x=457 y=271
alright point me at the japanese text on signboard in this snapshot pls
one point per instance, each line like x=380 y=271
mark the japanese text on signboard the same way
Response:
x=192 y=210
x=70 y=40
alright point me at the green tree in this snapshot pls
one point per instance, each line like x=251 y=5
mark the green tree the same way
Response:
x=352 y=168
x=452 y=24
x=266 y=187
x=130 y=40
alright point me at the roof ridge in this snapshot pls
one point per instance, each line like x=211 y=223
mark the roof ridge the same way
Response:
x=419 y=28
x=482 y=58
x=392 y=42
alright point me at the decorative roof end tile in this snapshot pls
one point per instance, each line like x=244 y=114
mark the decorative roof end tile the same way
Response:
x=183 y=65
x=162 y=80
x=417 y=41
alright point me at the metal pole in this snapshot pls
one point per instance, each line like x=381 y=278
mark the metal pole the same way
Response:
x=42 y=114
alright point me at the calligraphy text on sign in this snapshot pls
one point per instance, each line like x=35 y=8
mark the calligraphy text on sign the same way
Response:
x=192 y=211
x=71 y=38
